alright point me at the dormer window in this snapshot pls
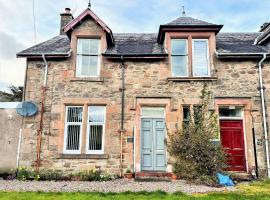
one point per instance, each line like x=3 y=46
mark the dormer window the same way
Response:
x=88 y=51
x=190 y=57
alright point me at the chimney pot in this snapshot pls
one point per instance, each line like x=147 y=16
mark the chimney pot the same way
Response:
x=67 y=10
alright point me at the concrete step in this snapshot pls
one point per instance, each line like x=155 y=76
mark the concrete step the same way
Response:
x=153 y=176
x=241 y=176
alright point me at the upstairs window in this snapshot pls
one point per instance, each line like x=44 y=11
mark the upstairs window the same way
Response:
x=88 y=51
x=179 y=57
x=200 y=57
x=190 y=57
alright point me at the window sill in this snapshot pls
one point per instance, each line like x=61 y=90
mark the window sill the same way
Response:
x=90 y=79
x=83 y=156
x=188 y=79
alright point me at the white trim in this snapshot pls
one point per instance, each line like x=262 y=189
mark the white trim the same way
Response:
x=208 y=60
x=245 y=142
x=103 y=133
x=78 y=69
x=186 y=40
x=65 y=151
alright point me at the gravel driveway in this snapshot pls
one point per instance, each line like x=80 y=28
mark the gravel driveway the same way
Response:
x=120 y=185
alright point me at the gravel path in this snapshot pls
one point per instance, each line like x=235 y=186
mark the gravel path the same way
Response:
x=120 y=185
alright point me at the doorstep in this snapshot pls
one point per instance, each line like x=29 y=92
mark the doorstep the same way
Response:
x=241 y=176
x=153 y=176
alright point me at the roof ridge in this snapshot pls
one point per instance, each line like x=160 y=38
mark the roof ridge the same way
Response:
x=238 y=32
x=137 y=33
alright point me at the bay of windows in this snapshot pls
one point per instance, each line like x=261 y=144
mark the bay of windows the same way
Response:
x=95 y=130
x=181 y=60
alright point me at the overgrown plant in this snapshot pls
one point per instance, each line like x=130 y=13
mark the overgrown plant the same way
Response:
x=197 y=156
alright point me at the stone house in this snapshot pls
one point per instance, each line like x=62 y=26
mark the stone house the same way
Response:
x=109 y=98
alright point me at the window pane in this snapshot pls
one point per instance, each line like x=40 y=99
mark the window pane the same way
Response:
x=153 y=112
x=96 y=114
x=186 y=113
x=179 y=47
x=74 y=114
x=95 y=137
x=200 y=59
x=87 y=65
x=88 y=46
x=179 y=66
x=227 y=112
x=73 y=137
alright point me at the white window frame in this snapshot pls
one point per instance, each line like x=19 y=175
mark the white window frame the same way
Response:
x=65 y=151
x=103 y=133
x=208 y=60
x=187 y=56
x=79 y=68
x=153 y=116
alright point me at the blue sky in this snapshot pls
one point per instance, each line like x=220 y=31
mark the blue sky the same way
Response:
x=16 y=30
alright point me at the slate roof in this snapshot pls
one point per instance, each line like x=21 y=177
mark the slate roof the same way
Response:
x=57 y=46
x=134 y=44
x=183 y=21
x=186 y=24
x=239 y=43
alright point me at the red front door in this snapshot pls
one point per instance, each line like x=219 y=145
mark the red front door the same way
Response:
x=232 y=139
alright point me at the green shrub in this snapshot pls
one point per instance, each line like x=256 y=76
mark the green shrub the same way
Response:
x=50 y=175
x=197 y=157
x=91 y=175
x=24 y=174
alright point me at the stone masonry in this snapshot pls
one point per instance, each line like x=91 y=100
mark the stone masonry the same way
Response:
x=236 y=81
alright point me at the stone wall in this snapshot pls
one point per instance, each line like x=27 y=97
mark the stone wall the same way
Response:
x=146 y=84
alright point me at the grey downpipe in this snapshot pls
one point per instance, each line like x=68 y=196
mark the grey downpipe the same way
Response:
x=264 y=115
x=123 y=93
x=122 y=90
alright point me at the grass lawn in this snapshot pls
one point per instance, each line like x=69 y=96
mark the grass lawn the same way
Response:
x=257 y=190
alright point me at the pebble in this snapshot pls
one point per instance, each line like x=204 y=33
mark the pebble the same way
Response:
x=116 y=186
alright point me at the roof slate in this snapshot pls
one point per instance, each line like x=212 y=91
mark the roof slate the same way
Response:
x=56 y=46
x=136 y=44
x=183 y=21
x=239 y=43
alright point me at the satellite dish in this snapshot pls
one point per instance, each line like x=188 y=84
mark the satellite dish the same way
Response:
x=27 y=109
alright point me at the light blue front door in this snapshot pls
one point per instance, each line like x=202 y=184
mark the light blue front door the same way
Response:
x=153 y=156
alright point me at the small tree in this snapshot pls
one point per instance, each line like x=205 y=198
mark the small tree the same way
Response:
x=16 y=94
x=197 y=156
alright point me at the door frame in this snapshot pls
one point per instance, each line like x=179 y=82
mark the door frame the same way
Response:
x=165 y=134
x=242 y=118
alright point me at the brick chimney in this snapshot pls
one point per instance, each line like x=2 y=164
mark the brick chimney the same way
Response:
x=66 y=17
